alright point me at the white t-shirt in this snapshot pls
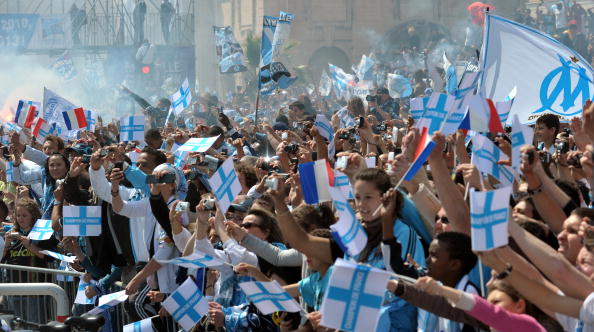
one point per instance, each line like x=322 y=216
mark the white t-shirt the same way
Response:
x=586 y=317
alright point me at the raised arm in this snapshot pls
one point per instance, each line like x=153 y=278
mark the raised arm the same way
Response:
x=451 y=198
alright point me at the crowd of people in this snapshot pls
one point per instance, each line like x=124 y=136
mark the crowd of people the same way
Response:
x=540 y=281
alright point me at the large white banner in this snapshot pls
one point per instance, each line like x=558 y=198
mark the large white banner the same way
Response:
x=550 y=78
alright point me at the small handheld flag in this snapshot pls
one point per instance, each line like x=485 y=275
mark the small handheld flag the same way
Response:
x=181 y=98
x=521 y=135
x=82 y=220
x=269 y=297
x=9 y=171
x=225 y=184
x=68 y=259
x=132 y=128
x=489 y=215
x=75 y=118
x=354 y=297
x=315 y=178
x=485 y=155
x=42 y=230
x=109 y=301
x=351 y=233
x=145 y=325
x=42 y=129
x=186 y=304
x=81 y=298
x=201 y=144
x=25 y=114
x=195 y=260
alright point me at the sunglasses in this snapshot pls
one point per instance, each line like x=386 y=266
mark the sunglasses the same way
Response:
x=248 y=225
x=444 y=219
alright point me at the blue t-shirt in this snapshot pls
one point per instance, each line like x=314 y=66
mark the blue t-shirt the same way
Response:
x=313 y=287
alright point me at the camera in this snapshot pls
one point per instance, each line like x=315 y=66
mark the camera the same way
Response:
x=371 y=98
x=59 y=182
x=182 y=207
x=575 y=161
x=345 y=136
x=209 y=204
x=545 y=157
x=284 y=136
x=166 y=178
x=103 y=153
x=271 y=183
x=291 y=148
x=561 y=147
x=86 y=158
x=193 y=175
x=381 y=127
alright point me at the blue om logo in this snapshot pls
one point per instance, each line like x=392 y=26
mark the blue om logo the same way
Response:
x=564 y=87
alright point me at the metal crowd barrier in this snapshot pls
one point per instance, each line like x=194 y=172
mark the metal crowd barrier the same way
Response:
x=40 y=309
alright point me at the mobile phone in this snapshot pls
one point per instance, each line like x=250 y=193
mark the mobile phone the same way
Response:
x=166 y=178
x=361 y=123
x=119 y=165
x=530 y=155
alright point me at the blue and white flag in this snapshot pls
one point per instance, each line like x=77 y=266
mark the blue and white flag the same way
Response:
x=196 y=260
x=489 y=215
x=354 y=297
x=398 y=86
x=229 y=53
x=81 y=297
x=225 y=184
x=438 y=107
x=351 y=234
x=325 y=129
x=453 y=120
x=521 y=135
x=417 y=107
x=53 y=107
x=325 y=86
x=281 y=34
x=145 y=325
x=554 y=78
x=451 y=79
x=186 y=304
x=64 y=67
x=269 y=297
x=42 y=230
x=485 y=155
x=91 y=120
x=132 y=128
x=343 y=83
x=9 y=171
x=342 y=182
x=346 y=120
x=82 y=220
x=266 y=84
x=58 y=256
x=9 y=126
x=364 y=71
x=181 y=98
x=201 y=144
x=109 y=301
x=504 y=107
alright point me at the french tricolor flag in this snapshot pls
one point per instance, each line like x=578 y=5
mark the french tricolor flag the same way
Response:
x=484 y=117
x=25 y=114
x=315 y=178
x=424 y=149
x=75 y=119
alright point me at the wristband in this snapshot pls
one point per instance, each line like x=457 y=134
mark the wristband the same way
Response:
x=115 y=193
x=539 y=189
x=505 y=273
x=57 y=202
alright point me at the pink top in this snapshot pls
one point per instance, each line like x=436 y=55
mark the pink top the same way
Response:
x=501 y=319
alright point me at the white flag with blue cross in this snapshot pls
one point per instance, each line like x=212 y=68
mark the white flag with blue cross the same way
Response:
x=485 y=155
x=196 y=260
x=186 y=304
x=269 y=297
x=91 y=117
x=438 y=107
x=132 y=128
x=82 y=220
x=109 y=301
x=201 y=144
x=354 y=297
x=9 y=171
x=521 y=135
x=42 y=230
x=489 y=215
x=81 y=297
x=225 y=184
x=181 y=98
x=352 y=235
x=145 y=325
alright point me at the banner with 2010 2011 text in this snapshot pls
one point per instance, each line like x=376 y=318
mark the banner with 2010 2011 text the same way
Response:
x=19 y=32
x=549 y=76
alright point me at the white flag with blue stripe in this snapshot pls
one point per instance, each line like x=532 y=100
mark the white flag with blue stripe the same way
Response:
x=82 y=220
x=269 y=297
x=91 y=120
x=342 y=82
x=354 y=297
x=9 y=171
x=325 y=86
x=489 y=215
x=325 y=129
x=109 y=301
x=181 y=98
x=58 y=256
x=521 y=135
x=485 y=155
x=504 y=107
x=342 y=182
x=42 y=230
x=417 y=107
x=346 y=120
x=201 y=144
x=196 y=260
x=438 y=107
x=81 y=297
x=145 y=325
x=352 y=236
x=225 y=184
x=132 y=128
x=186 y=304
